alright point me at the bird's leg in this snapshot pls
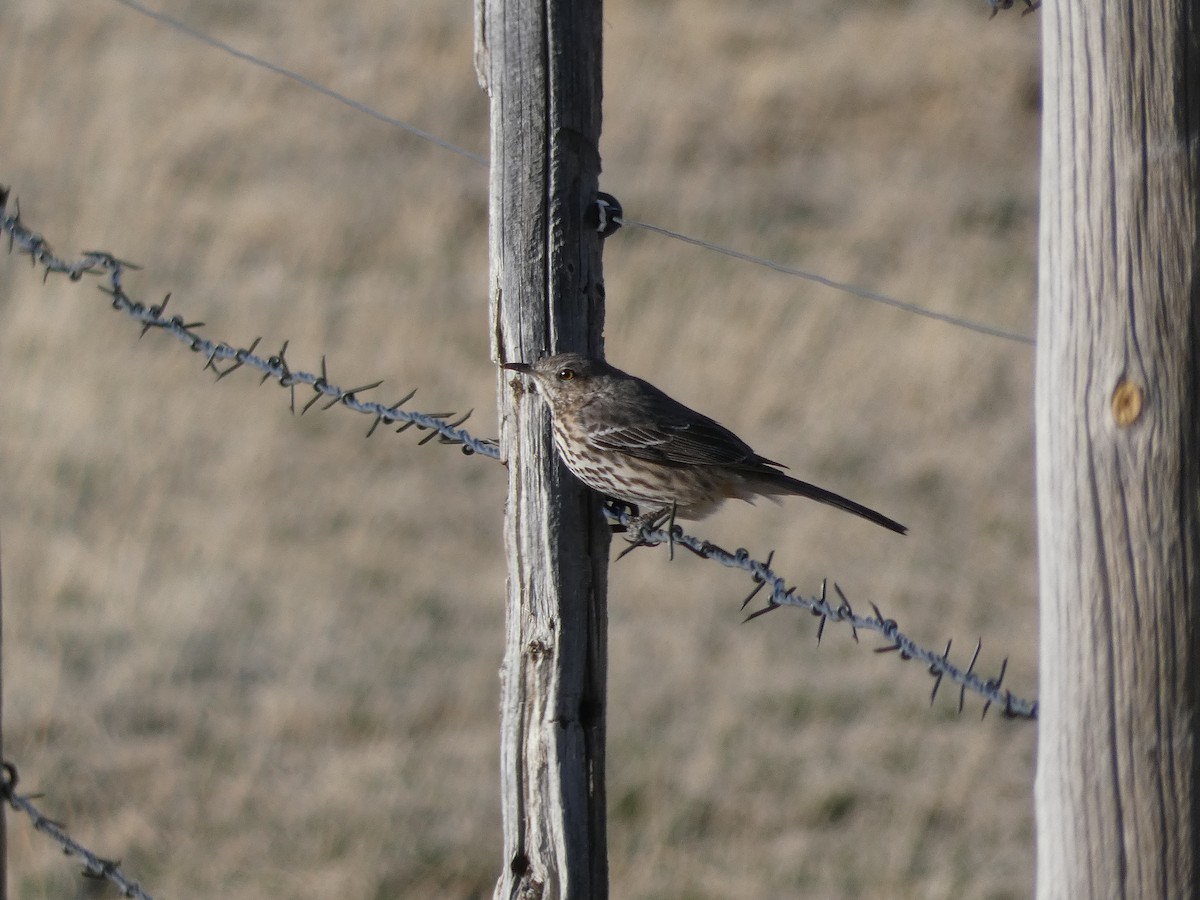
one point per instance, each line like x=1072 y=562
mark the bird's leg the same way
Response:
x=671 y=532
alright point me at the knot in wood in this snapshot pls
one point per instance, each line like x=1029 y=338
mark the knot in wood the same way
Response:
x=1127 y=403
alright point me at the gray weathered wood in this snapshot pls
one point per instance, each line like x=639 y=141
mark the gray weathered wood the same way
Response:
x=540 y=63
x=1118 y=450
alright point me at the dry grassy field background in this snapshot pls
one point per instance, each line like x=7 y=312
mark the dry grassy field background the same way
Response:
x=253 y=655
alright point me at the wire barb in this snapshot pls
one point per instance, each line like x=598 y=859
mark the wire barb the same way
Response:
x=759 y=581
x=821 y=615
x=386 y=416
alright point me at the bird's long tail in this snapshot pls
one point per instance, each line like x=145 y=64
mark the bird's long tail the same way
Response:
x=778 y=483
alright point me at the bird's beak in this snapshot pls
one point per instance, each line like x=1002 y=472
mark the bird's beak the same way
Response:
x=523 y=368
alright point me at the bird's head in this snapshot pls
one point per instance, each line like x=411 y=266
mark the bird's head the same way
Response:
x=564 y=376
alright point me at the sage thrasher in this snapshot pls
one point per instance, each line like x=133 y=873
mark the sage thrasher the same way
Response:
x=628 y=440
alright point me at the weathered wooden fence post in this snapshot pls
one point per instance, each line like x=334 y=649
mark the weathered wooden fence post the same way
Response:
x=1118 y=450
x=540 y=63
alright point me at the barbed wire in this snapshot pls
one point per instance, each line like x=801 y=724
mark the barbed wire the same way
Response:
x=781 y=594
x=782 y=268
x=276 y=367
x=94 y=865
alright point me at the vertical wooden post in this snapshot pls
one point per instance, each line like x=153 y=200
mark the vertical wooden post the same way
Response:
x=540 y=64
x=1118 y=450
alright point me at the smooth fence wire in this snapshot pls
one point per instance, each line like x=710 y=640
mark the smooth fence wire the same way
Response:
x=782 y=268
x=276 y=367
x=844 y=287
x=193 y=32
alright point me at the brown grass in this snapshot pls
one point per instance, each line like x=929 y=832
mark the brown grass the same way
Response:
x=255 y=656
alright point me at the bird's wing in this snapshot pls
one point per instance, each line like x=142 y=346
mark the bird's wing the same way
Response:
x=672 y=434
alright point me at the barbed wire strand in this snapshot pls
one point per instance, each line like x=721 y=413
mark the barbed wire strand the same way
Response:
x=781 y=594
x=276 y=367
x=782 y=268
x=94 y=866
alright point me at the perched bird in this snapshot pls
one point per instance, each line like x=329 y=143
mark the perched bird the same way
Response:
x=628 y=440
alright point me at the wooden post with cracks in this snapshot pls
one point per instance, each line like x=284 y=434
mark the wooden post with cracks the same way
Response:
x=540 y=64
x=1118 y=451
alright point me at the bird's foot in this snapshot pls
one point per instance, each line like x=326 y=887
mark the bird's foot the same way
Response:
x=640 y=529
x=618 y=508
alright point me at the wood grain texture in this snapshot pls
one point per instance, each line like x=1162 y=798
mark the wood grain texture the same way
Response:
x=1117 y=450
x=540 y=64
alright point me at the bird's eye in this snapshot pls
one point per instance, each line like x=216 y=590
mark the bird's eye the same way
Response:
x=566 y=374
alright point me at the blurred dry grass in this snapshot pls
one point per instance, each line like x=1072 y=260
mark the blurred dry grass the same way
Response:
x=255 y=656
